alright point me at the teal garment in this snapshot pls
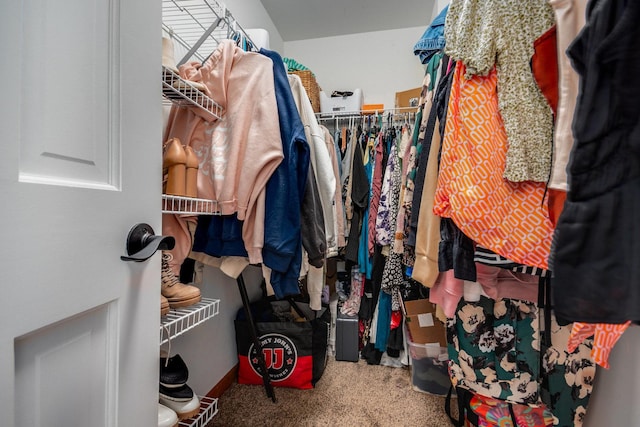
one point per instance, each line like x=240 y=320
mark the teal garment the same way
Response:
x=364 y=260
x=494 y=349
x=432 y=69
x=383 y=327
x=567 y=388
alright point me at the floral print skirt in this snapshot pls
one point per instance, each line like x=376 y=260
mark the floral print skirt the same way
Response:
x=494 y=351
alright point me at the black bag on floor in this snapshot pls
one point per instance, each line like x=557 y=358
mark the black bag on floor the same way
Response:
x=295 y=352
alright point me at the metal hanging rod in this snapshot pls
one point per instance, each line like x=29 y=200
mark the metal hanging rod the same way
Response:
x=339 y=115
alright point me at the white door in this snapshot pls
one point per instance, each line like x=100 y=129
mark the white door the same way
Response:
x=80 y=163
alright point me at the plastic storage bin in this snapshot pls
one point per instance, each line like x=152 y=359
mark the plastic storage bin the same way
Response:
x=341 y=104
x=429 y=368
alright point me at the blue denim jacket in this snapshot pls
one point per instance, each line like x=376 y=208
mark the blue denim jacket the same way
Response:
x=433 y=38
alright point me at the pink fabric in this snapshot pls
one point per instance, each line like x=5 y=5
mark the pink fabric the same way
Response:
x=500 y=283
x=378 y=170
x=497 y=283
x=237 y=153
x=446 y=292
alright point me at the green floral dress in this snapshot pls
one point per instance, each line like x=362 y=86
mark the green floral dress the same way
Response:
x=494 y=350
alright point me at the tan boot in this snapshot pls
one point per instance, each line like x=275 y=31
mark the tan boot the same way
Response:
x=178 y=294
x=192 y=172
x=164 y=305
x=174 y=160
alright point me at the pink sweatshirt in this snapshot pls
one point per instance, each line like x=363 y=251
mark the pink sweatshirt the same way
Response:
x=239 y=152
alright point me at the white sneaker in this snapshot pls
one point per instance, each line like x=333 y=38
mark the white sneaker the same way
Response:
x=167 y=417
x=183 y=409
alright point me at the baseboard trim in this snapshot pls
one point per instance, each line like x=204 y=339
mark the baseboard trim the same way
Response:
x=225 y=383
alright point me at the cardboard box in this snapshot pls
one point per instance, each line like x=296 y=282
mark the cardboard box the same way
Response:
x=408 y=98
x=424 y=327
x=372 y=108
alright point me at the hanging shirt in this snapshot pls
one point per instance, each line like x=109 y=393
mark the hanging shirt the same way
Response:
x=238 y=153
x=506 y=217
x=487 y=33
x=596 y=243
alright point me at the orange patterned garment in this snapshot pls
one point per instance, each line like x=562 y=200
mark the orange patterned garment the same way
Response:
x=605 y=336
x=507 y=217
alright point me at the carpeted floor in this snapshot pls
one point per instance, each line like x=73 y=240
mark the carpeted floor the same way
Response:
x=348 y=394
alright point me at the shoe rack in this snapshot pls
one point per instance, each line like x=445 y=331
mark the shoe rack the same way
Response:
x=181 y=92
x=199 y=26
x=179 y=321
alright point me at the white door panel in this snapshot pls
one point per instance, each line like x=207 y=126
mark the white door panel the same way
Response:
x=80 y=164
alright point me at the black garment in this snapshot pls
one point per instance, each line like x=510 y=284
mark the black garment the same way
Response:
x=438 y=109
x=421 y=166
x=360 y=199
x=596 y=246
x=314 y=238
x=371 y=354
x=377 y=269
x=488 y=257
x=456 y=251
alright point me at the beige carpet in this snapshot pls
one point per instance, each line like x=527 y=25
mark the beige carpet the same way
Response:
x=348 y=394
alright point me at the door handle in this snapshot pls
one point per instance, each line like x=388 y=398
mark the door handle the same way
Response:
x=142 y=243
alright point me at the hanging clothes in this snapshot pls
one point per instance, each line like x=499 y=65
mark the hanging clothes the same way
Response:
x=282 y=251
x=483 y=34
x=393 y=276
x=505 y=217
x=320 y=162
x=595 y=246
x=376 y=191
x=229 y=172
x=364 y=258
x=360 y=200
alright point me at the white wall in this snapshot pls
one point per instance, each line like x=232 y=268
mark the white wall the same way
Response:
x=209 y=350
x=380 y=63
x=251 y=14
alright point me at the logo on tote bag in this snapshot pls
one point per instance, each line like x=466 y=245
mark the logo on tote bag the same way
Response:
x=279 y=354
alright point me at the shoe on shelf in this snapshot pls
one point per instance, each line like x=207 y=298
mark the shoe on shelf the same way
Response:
x=174 y=168
x=167 y=417
x=178 y=294
x=168 y=54
x=192 y=172
x=182 y=400
x=164 y=305
x=173 y=371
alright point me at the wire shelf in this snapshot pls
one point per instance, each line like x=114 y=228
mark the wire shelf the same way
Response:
x=182 y=92
x=189 y=205
x=199 y=26
x=208 y=410
x=181 y=320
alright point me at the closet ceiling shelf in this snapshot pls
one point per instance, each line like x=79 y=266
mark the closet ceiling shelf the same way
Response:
x=182 y=92
x=199 y=26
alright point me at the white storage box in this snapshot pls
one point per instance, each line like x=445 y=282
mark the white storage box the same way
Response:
x=341 y=104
